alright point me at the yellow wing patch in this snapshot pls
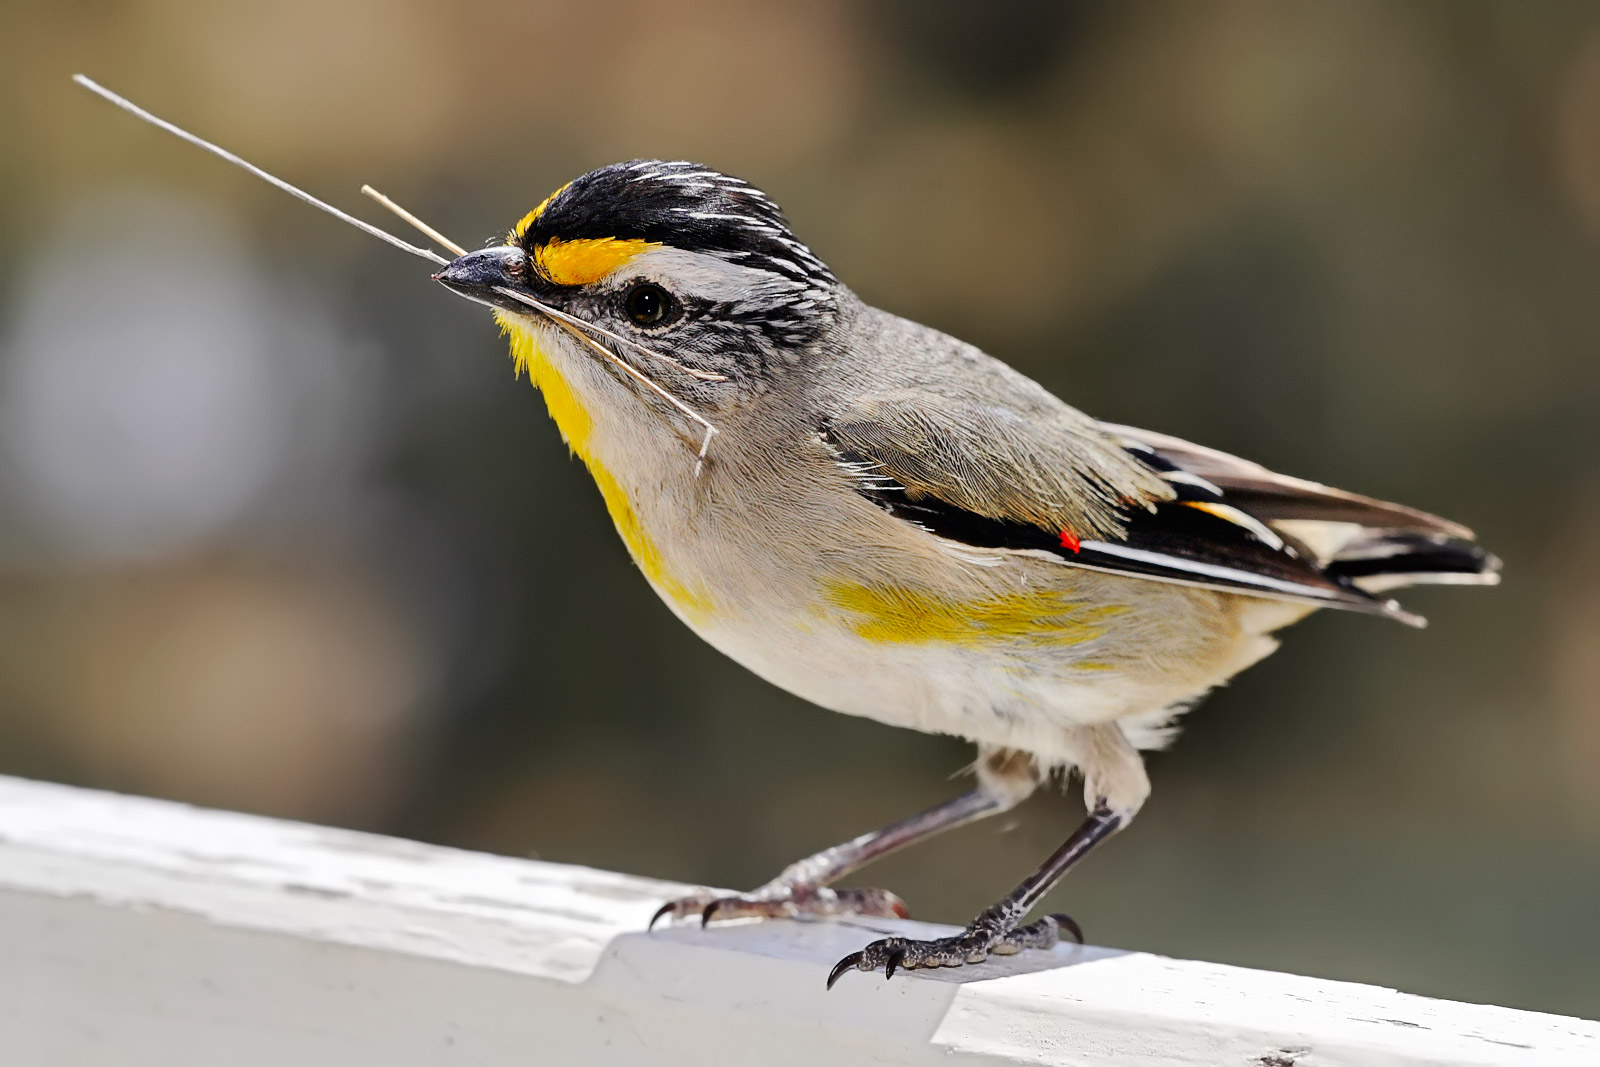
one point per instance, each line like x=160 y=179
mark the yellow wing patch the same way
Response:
x=575 y=424
x=588 y=260
x=896 y=615
x=1228 y=513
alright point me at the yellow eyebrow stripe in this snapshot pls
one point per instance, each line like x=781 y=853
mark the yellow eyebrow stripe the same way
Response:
x=588 y=260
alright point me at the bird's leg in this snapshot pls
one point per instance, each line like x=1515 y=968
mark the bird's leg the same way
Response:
x=1114 y=788
x=1005 y=778
x=802 y=888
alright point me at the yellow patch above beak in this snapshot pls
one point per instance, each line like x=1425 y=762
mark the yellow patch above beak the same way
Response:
x=584 y=261
x=515 y=236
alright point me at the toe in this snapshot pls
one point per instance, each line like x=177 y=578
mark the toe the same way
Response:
x=674 y=908
x=850 y=962
x=874 y=903
x=786 y=902
x=681 y=908
x=1068 y=925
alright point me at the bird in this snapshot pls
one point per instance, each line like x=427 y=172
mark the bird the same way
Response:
x=890 y=523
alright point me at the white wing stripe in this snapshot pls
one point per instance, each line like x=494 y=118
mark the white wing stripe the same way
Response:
x=1211 y=570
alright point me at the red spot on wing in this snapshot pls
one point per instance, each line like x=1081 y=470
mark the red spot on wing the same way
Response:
x=1069 y=541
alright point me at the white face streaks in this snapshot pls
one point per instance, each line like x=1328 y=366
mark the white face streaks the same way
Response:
x=748 y=295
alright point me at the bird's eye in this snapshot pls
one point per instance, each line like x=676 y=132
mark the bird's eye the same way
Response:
x=648 y=304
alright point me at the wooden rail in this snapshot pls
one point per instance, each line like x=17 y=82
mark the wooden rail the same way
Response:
x=135 y=931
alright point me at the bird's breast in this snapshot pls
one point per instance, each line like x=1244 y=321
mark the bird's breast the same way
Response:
x=571 y=409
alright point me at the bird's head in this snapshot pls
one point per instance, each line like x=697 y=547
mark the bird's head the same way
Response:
x=652 y=259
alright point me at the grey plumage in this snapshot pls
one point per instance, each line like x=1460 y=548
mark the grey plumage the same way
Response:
x=1020 y=458
x=891 y=523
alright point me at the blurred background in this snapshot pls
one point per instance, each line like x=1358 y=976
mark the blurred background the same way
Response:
x=279 y=531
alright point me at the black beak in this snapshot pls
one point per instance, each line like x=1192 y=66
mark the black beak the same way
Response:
x=477 y=275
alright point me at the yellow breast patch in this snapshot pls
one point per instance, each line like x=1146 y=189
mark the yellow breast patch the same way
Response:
x=576 y=426
x=1041 y=618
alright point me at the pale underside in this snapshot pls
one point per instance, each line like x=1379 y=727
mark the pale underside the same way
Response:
x=772 y=559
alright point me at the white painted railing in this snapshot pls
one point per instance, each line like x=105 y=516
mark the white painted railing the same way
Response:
x=140 y=932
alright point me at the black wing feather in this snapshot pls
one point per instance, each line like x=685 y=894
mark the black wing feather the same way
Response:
x=1175 y=541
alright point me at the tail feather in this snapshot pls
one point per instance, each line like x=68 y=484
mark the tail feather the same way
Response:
x=1361 y=545
x=1380 y=560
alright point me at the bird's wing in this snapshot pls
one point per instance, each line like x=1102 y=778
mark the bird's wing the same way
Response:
x=1274 y=497
x=1020 y=461
x=1372 y=544
x=1044 y=481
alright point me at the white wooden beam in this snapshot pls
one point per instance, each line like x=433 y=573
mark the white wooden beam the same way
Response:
x=135 y=931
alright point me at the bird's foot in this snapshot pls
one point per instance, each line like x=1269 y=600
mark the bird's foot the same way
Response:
x=782 y=901
x=986 y=936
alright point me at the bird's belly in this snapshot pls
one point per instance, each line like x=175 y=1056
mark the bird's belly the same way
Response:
x=844 y=606
x=1017 y=672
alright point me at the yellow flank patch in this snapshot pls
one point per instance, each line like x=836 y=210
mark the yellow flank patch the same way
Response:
x=515 y=236
x=896 y=615
x=575 y=424
x=587 y=260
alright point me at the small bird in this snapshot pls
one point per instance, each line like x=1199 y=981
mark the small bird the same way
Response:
x=888 y=522
x=894 y=524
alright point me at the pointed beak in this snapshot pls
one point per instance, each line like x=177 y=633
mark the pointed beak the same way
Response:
x=477 y=275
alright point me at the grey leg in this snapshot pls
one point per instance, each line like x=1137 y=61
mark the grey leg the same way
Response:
x=802 y=888
x=995 y=930
x=1115 y=787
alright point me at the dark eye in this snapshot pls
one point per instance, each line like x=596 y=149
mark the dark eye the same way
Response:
x=648 y=304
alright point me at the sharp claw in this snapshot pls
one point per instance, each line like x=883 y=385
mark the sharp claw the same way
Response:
x=849 y=962
x=973 y=946
x=705 y=915
x=660 y=912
